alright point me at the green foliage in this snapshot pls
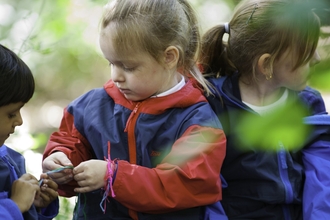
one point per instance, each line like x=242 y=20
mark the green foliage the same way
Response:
x=66 y=208
x=40 y=140
x=320 y=76
x=263 y=133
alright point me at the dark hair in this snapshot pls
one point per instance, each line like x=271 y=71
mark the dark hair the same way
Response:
x=258 y=27
x=16 y=79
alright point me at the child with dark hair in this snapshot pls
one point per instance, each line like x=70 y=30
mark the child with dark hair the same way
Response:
x=21 y=197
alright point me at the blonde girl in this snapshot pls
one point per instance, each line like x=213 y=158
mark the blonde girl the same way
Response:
x=147 y=145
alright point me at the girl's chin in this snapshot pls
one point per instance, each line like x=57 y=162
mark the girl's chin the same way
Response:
x=299 y=87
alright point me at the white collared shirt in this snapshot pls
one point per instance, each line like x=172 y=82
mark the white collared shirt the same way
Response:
x=174 y=89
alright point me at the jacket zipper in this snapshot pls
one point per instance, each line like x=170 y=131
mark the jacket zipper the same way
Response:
x=131 y=116
x=130 y=129
x=283 y=170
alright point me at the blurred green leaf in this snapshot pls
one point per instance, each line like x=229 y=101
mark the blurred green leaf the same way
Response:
x=264 y=133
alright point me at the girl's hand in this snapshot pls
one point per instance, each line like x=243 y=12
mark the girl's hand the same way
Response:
x=48 y=192
x=55 y=161
x=90 y=175
x=24 y=190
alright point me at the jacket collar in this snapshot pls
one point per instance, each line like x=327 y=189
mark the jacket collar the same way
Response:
x=189 y=95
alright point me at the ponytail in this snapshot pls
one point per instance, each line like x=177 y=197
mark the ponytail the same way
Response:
x=213 y=57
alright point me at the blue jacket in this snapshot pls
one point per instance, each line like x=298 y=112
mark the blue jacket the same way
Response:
x=316 y=158
x=170 y=152
x=270 y=185
x=12 y=166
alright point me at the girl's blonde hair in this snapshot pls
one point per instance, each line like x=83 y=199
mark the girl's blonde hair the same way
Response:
x=153 y=26
x=258 y=27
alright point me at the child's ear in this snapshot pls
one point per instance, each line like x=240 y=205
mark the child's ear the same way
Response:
x=172 y=55
x=264 y=66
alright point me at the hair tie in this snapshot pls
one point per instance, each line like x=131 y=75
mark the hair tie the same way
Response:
x=227 y=28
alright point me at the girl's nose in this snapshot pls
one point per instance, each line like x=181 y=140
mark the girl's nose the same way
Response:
x=116 y=74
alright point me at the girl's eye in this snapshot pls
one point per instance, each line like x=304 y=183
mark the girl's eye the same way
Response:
x=128 y=69
x=122 y=66
x=11 y=116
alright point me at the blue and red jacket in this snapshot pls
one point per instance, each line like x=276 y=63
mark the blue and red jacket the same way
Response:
x=170 y=150
x=12 y=166
x=273 y=185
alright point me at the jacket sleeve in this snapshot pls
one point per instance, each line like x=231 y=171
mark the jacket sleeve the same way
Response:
x=9 y=210
x=316 y=159
x=214 y=211
x=187 y=177
x=313 y=101
x=69 y=141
